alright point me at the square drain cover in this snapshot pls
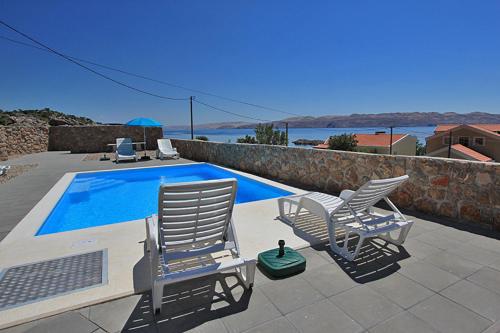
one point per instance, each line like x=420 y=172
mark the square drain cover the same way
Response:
x=20 y=285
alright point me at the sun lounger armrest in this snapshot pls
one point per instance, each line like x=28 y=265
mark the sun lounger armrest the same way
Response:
x=345 y=194
x=314 y=206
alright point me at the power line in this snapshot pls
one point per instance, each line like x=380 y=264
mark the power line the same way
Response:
x=144 y=77
x=229 y=112
x=88 y=68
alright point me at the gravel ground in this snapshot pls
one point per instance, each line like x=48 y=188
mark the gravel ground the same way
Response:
x=97 y=156
x=16 y=170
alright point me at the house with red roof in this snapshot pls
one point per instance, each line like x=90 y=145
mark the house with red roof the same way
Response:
x=380 y=143
x=474 y=142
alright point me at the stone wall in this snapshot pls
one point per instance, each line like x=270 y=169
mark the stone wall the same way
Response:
x=459 y=190
x=19 y=140
x=93 y=139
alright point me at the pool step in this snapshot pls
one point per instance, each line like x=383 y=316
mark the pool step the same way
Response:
x=94 y=184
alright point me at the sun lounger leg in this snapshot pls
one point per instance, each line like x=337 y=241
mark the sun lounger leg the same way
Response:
x=403 y=232
x=157 y=292
x=248 y=277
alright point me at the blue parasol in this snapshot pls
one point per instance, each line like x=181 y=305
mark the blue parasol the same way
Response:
x=144 y=122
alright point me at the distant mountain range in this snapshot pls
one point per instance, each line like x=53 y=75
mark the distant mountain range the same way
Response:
x=400 y=119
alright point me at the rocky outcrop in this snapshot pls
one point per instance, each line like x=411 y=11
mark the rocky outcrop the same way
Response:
x=307 y=142
x=21 y=140
x=456 y=189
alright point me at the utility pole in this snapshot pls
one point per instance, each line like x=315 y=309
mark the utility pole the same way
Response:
x=286 y=133
x=191 y=109
x=390 y=146
x=449 y=146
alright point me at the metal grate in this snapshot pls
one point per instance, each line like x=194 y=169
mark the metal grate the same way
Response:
x=20 y=285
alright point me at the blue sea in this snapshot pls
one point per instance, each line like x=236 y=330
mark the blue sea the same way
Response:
x=231 y=135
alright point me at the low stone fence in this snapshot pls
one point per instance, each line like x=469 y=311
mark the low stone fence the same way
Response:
x=20 y=140
x=94 y=139
x=459 y=190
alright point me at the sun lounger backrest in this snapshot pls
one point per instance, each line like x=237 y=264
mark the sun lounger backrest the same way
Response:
x=165 y=145
x=124 y=146
x=369 y=194
x=195 y=212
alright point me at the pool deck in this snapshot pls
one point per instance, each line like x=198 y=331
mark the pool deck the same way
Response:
x=444 y=279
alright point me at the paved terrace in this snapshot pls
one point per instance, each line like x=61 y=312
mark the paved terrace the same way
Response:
x=444 y=279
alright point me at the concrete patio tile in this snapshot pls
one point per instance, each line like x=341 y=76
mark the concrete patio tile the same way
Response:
x=366 y=306
x=424 y=223
x=213 y=326
x=475 y=298
x=455 y=234
x=495 y=328
x=401 y=290
x=23 y=328
x=404 y=322
x=439 y=241
x=486 y=243
x=84 y=312
x=291 y=294
x=127 y=313
x=453 y=264
x=274 y=326
x=417 y=230
x=487 y=278
x=420 y=249
x=257 y=311
x=449 y=317
x=329 y=279
x=198 y=319
x=474 y=253
x=495 y=265
x=429 y=275
x=66 y=322
x=323 y=316
x=313 y=258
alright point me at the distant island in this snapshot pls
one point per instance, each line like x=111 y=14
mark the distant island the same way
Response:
x=400 y=119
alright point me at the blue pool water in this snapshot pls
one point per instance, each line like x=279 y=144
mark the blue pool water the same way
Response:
x=100 y=198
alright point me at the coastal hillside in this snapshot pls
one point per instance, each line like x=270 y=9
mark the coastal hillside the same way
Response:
x=375 y=120
x=42 y=117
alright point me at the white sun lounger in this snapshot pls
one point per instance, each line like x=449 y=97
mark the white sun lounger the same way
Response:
x=165 y=149
x=124 y=150
x=193 y=235
x=3 y=169
x=353 y=213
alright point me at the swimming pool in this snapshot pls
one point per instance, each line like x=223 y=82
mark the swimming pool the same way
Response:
x=107 y=197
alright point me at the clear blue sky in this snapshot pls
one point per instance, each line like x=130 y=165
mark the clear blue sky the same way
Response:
x=307 y=57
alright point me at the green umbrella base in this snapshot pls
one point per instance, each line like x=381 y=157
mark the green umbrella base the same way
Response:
x=290 y=263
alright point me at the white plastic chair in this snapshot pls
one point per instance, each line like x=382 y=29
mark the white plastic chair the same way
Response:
x=124 y=150
x=193 y=235
x=165 y=149
x=3 y=169
x=353 y=213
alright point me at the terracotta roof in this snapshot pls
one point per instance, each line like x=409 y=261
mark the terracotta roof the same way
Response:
x=378 y=140
x=487 y=127
x=471 y=153
x=322 y=145
x=370 y=140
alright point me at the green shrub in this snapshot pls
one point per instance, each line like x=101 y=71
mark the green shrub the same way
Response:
x=346 y=142
x=201 y=138
x=247 y=139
